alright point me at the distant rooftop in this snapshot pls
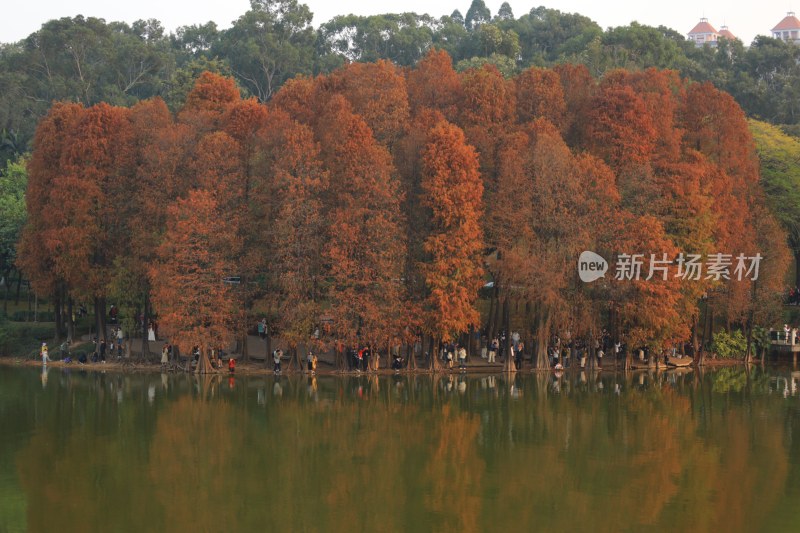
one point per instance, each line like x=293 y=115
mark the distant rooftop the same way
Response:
x=789 y=22
x=703 y=27
x=725 y=32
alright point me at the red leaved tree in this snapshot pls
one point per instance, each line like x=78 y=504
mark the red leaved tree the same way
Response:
x=196 y=307
x=453 y=192
x=35 y=252
x=365 y=249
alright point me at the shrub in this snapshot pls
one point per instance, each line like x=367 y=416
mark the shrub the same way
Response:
x=729 y=345
x=23 y=338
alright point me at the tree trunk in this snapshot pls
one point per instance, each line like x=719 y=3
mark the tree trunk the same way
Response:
x=244 y=351
x=294 y=358
x=8 y=290
x=750 y=317
x=498 y=315
x=411 y=357
x=492 y=311
x=434 y=364
x=57 y=315
x=508 y=361
x=103 y=322
x=70 y=322
x=339 y=357
x=145 y=325
x=98 y=323
x=592 y=362
x=203 y=364
x=542 y=361
x=19 y=284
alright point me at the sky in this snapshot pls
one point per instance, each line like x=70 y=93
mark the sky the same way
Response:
x=744 y=19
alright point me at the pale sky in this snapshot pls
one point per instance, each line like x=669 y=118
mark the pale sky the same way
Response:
x=744 y=19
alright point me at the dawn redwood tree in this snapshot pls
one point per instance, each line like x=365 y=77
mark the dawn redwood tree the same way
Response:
x=559 y=229
x=196 y=308
x=618 y=127
x=540 y=95
x=365 y=248
x=35 y=254
x=378 y=94
x=163 y=149
x=86 y=233
x=487 y=113
x=291 y=185
x=243 y=122
x=208 y=102
x=298 y=98
x=579 y=87
x=433 y=83
x=453 y=192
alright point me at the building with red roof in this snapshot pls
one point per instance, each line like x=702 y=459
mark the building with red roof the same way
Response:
x=704 y=34
x=788 y=29
x=725 y=32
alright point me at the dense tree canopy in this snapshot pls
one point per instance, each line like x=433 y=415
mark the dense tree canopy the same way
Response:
x=370 y=204
x=89 y=60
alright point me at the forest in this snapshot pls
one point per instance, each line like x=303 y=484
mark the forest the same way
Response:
x=377 y=179
x=90 y=60
x=373 y=203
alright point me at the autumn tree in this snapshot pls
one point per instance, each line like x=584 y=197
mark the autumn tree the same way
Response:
x=291 y=188
x=433 y=83
x=453 y=192
x=540 y=95
x=208 y=101
x=37 y=247
x=195 y=305
x=377 y=92
x=365 y=250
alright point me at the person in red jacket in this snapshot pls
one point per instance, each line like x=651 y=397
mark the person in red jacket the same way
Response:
x=231 y=365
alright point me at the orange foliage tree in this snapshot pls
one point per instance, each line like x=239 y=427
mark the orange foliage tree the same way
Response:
x=196 y=306
x=365 y=248
x=357 y=198
x=453 y=192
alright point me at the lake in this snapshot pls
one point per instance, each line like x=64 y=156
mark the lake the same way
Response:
x=89 y=451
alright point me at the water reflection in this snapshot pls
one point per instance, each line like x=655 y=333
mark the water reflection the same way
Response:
x=699 y=451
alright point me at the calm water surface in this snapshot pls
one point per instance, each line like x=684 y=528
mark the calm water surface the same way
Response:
x=81 y=451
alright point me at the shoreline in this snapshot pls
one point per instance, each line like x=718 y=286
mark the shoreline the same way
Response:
x=259 y=369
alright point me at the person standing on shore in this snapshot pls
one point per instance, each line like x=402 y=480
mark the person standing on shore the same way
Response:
x=43 y=352
x=462 y=358
x=164 y=356
x=276 y=359
x=310 y=362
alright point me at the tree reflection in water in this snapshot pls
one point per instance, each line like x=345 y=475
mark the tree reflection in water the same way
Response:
x=695 y=451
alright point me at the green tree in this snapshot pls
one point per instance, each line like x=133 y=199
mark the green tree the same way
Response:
x=505 y=12
x=269 y=44
x=780 y=178
x=477 y=14
x=13 y=182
